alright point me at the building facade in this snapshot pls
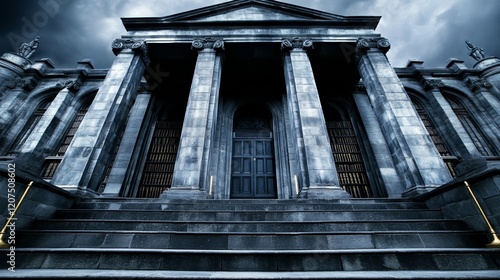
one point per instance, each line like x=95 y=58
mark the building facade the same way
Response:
x=250 y=99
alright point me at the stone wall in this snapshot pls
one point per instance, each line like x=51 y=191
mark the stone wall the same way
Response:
x=456 y=203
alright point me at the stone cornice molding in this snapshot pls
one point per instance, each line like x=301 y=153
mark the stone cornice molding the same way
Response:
x=138 y=46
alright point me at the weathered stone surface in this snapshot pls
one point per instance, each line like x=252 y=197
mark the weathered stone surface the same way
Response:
x=411 y=157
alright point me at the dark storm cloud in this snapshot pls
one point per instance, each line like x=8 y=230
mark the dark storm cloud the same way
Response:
x=72 y=30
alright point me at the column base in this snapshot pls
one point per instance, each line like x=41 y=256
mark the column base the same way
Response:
x=417 y=190
x=184 y=193
x=327 y=192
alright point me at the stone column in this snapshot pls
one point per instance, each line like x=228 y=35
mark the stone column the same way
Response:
x=319 y=174
x=199 y=123
x=417 y=160
x=121 y=173
x=89 y=150
x=386 y=168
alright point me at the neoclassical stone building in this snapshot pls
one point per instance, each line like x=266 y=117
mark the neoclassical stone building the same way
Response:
x=250 y=99
x=251 y=136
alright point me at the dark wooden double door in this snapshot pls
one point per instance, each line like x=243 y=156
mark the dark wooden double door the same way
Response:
x=253 y=170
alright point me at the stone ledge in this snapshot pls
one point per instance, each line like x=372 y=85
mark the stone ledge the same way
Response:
x=165 y=274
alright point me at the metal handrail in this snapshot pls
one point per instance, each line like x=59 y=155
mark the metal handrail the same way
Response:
x=2 y=243
x=496 y=241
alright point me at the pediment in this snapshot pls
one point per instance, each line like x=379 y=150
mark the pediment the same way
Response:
x=252 y=10
x=250 y=13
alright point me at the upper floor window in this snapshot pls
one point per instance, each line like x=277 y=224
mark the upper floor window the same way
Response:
x=470 y=126
x=52 y=163
x=30 y=126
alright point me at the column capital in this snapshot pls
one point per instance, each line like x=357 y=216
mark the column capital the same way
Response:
x=475 y=85
x=138 y=46
x=431 y=84
x=207 y=43
x=296 y=43
x=365 y=44
x=72 y=85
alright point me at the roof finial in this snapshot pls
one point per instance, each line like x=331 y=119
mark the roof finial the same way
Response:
x=27 y=49
x=476 y=52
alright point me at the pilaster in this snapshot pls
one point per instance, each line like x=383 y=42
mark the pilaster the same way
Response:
x=318 y=172
x=417 y=160
x=46 y=134
x=452 y=127
x=83 y=165
x=197 y=134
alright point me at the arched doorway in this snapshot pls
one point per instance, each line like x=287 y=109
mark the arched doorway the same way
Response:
x=253 y=166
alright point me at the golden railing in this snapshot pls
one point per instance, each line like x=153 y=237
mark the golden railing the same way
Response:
x=2 y=243
x=496 y=241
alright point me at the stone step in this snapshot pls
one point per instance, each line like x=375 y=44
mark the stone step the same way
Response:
x=237 y=226
x=251 y=240
x=120 y=204
x=264 y=261
x=210 y=215
x=283 y=275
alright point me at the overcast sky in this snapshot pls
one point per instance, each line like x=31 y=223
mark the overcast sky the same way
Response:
x=428 y=30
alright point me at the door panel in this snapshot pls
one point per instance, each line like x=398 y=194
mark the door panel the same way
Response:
x=253 y=169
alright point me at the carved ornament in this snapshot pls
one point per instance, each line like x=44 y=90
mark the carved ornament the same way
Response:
x=27 y=84
x=296 y=43
x=364 y=44
x=430 y=84
x=71 y=85
x=207 y=43
x=138 y=46
x=475 y=85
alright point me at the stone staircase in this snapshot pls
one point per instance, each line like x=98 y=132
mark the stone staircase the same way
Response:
x=286 y=239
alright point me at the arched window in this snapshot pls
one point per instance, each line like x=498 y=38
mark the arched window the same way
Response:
x=449 y=159
x=470 y=126
x=347 y=153
x=30 y=125
x=52 y=163
x=160 y=162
